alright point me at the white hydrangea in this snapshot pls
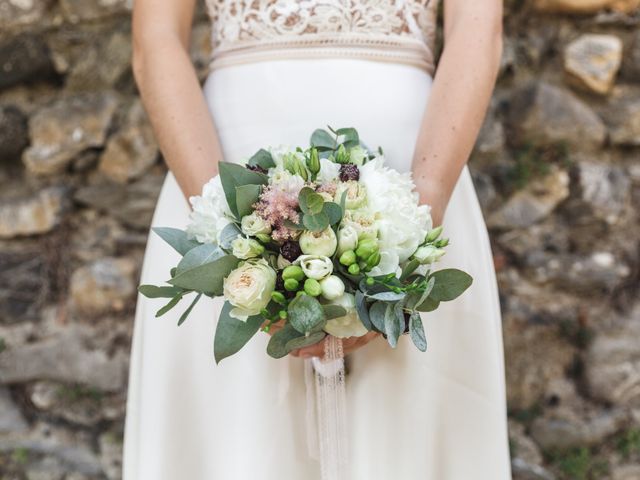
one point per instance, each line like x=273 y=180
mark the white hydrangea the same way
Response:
x=402 y=223
x=210 y=213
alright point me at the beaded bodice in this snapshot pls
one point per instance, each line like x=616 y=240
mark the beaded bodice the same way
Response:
x=389 y=30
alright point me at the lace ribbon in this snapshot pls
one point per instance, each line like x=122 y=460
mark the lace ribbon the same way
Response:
x=326 y=416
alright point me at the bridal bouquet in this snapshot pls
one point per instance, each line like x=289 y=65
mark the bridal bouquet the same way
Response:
x=325 y=240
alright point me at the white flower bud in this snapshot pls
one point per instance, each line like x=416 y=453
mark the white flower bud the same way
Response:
x=332 y=287
x=244 y=248
x=347 y=238
x=315 y=266
x=318 y=243
x=254 y=224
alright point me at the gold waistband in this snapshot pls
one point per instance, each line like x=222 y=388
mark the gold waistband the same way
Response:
x=382 y=48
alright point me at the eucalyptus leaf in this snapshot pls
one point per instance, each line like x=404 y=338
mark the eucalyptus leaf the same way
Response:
x=305 y=313
x=305 y=341
x=207 y=278
x=322 y=140
x=233 y=334
x=277 y=346
x=334 y=311
x=262 y=158
x=233 y=175
x=361 y=308
x=246 y=196
x=392 y=326
x=199 y=256
x=153 y=291
x=186 y=313
x=416 y=331
x=177 y=238
x=429 y=305
x=377 y=314
x=388 y=296
x=409 y=268
x=425 y=294
x=228 y=235
x=333 y=212
x=351 y=138
x=316 y=223
x=172 y=303
x=310 y=201
x=450 y=283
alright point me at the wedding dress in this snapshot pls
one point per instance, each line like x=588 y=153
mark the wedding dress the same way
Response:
x=280 y=69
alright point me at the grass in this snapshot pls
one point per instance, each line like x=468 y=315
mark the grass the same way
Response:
x=579 y=464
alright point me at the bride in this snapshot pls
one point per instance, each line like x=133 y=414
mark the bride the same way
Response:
x=279 y=70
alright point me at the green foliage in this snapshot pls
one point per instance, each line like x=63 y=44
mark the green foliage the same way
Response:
x=305 y=340
x=246 y=196
x=153 y=291
x=207 y=276
x=277 y=346
x=262 y=158
x=416 y=330
x=306 y=314
x=232 y=176
x=186 y=313
x=178 y=239
x=233 y=334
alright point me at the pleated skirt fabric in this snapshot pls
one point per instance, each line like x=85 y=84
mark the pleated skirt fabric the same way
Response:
x=439 y=415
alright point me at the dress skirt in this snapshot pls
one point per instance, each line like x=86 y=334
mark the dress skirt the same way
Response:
x=438 y=415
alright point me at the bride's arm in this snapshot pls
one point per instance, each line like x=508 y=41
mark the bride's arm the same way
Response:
x=171 y=92
x=461 y=91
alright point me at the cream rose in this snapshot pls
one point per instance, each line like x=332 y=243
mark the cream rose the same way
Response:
x=248 y=288
x=348 y=325
x=318 y=243
x=254 y=224
x=244 y=248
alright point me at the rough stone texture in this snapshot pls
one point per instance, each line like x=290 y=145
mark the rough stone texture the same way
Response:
x=67 y=128
x=584 y=6
x=592 y=62
x=556 y=172
x=34 y=215
x=547 y=115
x=132 y=150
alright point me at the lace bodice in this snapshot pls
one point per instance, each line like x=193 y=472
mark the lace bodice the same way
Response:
x=389 y=30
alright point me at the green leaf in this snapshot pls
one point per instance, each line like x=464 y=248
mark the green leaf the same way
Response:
x=277 y=346
x=199 y=256
x=178 y=239
x=228 y=235
x=409 y=268
x=333 y=212
x=450 y=284
x=305 y=313
x=343 y=201
x=419 y=298
x=393 y=327
x=305 y=341
x=388 y=296
x=310 y=202
x=377 y=314
x=233 y=334
x=293 y=225
x=186 y=313
x=351 y=138
x=322 y=140
x=233 y=175
x=172 y=303
x=361 y=308
x=416 y=330
x=316 y=223
x=207 y=278
x=246 y=196
x=262 y=158
x=152 y=291
x=429 y=305
x=334 y=311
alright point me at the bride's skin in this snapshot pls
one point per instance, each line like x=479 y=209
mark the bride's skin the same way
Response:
x=185 y=129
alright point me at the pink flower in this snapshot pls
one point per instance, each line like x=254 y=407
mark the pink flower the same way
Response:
x=275 y=206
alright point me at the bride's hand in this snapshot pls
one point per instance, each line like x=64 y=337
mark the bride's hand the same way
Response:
x=348 y=345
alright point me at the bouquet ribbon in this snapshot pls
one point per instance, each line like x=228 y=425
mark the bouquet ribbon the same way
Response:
x=326 y=417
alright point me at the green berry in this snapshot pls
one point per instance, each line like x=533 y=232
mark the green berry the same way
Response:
x=354 y=269
x=282 y=314
x=291 y=284
x=366 y=248
x=348 y=258
x=312 y=287
x=370 y=281
x=373 y=260
x=278 y=297
x=293 y=272
x=299 y=293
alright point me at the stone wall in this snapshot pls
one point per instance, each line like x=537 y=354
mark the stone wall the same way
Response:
x=555 y=169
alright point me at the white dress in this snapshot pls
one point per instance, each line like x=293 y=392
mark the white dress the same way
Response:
x=439 y=415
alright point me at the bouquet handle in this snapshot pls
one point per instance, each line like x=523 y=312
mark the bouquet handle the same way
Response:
x=326 y=416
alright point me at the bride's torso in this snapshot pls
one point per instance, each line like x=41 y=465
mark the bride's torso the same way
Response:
x=386 y=30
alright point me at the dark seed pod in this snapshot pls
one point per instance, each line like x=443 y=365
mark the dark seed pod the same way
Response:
x=349 y=171
x=290 y=250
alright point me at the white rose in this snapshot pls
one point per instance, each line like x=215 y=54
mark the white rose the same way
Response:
x=332 y=287
x=210 y=213
x=428 y=254
x=356 y=194
x=248 y=288
x=363 y=221
x=254 y=224
x=315 y=266
x=244 y=248
x=347 y=238
x=318 y=243
x=350 y=324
